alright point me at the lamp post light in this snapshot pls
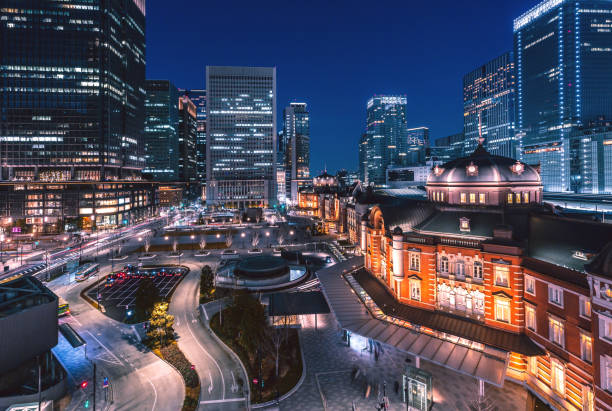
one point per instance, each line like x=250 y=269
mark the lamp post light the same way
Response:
x=139 y=240
x=192 y=237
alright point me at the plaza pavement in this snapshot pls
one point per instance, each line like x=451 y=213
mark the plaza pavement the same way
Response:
x=329 y=366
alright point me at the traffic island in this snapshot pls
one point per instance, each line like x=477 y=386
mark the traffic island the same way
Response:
x=257 y=350
x=161 y=339
x=175 y=357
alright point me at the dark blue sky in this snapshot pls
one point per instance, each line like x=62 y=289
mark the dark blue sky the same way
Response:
x=335 y=54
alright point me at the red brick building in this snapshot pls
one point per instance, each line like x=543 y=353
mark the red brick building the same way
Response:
x=483 y=263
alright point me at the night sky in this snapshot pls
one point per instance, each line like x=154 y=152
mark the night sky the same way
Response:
x=334 y=55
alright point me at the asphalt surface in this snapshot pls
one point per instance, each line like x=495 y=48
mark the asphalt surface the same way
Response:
x=220 y=375
x=139 y=380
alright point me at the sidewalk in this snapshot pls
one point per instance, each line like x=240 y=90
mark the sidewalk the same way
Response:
x=329 y=365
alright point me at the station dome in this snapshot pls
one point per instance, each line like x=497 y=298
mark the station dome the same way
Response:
x=484 y=179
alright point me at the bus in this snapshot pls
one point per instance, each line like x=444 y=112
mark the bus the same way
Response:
x=62 y=307
x=86 y=270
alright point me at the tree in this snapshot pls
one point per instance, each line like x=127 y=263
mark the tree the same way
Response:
x=146 y=295
x=203 y=243
x=255 y=239
x=246 y=314
x=160 y=331
x=207 y=287
x=277 y=335
x=147 y=244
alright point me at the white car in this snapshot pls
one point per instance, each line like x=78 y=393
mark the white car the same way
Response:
x=203 y=253
x=255 y=251
x=228 y=252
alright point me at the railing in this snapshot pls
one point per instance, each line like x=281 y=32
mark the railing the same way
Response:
x=460 y=242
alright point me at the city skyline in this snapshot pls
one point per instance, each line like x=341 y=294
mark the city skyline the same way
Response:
x=336 y=61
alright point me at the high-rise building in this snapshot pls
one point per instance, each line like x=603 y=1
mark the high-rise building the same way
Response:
x=296 y=133
x=489 y=106
x=241 y=136
x=449 y=147
x=417 y=143
x=198 y=97
x=187 y=136
x=387 y=136
x=72 y=76
x=591 y=159
x=161 y=130
x=563 y=60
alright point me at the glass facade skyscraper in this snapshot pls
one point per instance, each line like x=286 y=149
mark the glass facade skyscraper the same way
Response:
x=297 y=152
x=198 y=97
x=449 y=147
x=489 y=106
x=72 y=76
x=72 y=80
x=161 y=130
x=563 y=60
x=187 y=136
x=386 y=136
x=241 y=136
x=417 y=143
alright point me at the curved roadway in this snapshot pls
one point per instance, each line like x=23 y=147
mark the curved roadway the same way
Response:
x=138 y=378
x=220 y=375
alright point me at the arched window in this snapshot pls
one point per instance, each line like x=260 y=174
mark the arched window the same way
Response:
x=460 y=268
x=460 y=300
x=444 y=264
x=477 y=270
x=477 y=302
x=443 y=295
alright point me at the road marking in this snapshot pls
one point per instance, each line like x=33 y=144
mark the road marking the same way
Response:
x=104 y=346
x=221 y=401
x=206 y=352
x=234 y=385
x=152 y=385
x=205 y=313
x=210 y=387
x=75 y=320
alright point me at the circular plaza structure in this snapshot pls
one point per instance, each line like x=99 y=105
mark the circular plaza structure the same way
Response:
x=259 y=272
x=262 y=267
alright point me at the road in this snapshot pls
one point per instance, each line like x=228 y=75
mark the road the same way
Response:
x=139 y=379
x=219 y=373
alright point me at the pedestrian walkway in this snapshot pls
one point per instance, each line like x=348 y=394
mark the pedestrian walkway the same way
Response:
x=329 y=379
x=80 y=369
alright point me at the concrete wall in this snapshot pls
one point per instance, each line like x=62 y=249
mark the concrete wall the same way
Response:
x=26 y=334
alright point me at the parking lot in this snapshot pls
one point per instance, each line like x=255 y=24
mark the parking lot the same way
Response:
x=118 y=293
